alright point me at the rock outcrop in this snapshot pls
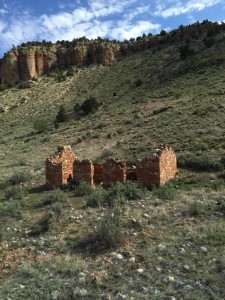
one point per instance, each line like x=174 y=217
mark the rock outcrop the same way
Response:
x=36 y=59
x=31 y=61
x=24 y=63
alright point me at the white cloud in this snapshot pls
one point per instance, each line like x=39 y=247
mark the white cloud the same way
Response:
x=137 y=12
x=126 y=30
x=2 y=26
x=115 y=19
x=99 y=18
x=183 y=8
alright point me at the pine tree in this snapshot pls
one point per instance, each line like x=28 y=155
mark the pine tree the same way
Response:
x=61 y=116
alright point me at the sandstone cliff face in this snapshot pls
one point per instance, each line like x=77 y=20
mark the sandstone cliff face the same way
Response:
x=23 y=63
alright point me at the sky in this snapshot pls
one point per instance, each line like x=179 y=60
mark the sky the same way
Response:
x=52 y=20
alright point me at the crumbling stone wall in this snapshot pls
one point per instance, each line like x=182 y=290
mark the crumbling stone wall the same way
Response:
x=113 y=171
x=59 y=167
x=159 y=169
x=132 y=173
x=64 y=165
x=148 y=172
x=83 y=171
x=167 y=164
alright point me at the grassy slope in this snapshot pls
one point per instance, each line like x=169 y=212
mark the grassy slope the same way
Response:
x=193 y=91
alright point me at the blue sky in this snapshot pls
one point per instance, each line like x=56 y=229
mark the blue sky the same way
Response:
x=33 y=20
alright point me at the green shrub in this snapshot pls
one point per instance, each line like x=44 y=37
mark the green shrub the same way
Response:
x=40 y=125
x=138 y=82
x=2 y=87
x=115 y=195
x=222 y=161
x=215 y=234
x=196 y=208
x=83 y=189
x=15 y=192
x=131 y=191
x=165 y=192
x=70 y=71
x=11 y=209
x=97 y=198
x=185 y=51
x=107 y=153
x=61 y=115
x=89 y=105
x=221 y=203
x=51 y=197
x=217 y=184
x=109 y=229
x=77 y=108
x=57 y=209
x=163 y=32
x=45 y=223
x=20 y=178
x=209 y=41
x=198 y=163
x=61 y=77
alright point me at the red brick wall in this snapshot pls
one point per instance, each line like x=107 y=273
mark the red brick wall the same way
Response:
x=83 y=170
x=114 y=171
x=59 y=167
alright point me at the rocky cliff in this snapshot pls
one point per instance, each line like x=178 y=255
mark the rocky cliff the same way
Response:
x=35 y=59
x=23 y=63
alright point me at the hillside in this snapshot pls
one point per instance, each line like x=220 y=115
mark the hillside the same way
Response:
x=173 y=238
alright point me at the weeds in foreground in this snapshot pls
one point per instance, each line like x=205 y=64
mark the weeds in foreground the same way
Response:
x=11 y=209
x=48 y=220
x=109 y=229
x=116 y=195
x=165 y=192
x=108 y=234
x=97 y=198
x=15 y=192
x=51 y=197
x=19 y=178
x=83 y=189
x=214 y=234
x=197 y=208
x=40 y=283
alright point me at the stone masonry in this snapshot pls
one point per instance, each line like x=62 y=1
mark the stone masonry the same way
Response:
x=98 y=173
x=59 y=167
x=159 y=169
x=83 y=171
x=113 y=171
x=65 y=166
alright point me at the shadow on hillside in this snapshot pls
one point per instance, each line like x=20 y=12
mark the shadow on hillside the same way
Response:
x=90 y=244
x=37 y=189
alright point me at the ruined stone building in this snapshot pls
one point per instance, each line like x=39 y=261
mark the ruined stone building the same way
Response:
x=65 y=166
x=59 y=167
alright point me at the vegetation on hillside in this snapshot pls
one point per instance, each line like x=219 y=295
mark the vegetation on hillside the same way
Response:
x=124 y=242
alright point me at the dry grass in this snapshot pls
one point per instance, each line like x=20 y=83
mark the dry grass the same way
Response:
x=128 y=125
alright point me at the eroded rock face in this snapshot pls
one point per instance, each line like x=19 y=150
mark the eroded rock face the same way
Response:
x=24 y=63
